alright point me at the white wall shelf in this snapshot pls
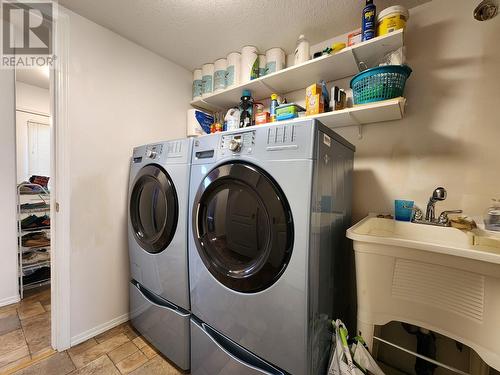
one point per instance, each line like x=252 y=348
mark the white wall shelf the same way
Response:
x=329 y=68
x=386 y=110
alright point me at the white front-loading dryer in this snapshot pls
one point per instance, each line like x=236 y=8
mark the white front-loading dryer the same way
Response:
x=269 y=209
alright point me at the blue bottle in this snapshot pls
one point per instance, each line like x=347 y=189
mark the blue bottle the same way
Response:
x=368 y=22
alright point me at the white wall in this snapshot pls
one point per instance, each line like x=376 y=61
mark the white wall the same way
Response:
x=451 y=132
x=32 y=98
x=8 y=233
x=120 y=96
x=32 y=104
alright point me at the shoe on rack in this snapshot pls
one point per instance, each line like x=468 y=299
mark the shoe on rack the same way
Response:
x=35 y=257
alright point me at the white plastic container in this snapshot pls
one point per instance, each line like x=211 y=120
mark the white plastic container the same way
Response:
x=233 y=71
x=262 y=65
x=392 y=19
x=220 y=70
x=249 y=64
x=302 y=52
x=207 y=71
x=275 y=60
x=197 y=84
x=232 y=119
x=198 y=122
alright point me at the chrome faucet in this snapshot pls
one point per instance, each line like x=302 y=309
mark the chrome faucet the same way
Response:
x=439 y=194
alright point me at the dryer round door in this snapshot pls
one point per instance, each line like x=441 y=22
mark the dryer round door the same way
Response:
x=243 y=227
x=154 y=208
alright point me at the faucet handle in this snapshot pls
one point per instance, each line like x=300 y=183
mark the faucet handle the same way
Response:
x=417 y=213
x=443 y=217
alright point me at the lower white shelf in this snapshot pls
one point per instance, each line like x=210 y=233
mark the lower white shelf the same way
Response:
x=386 y=110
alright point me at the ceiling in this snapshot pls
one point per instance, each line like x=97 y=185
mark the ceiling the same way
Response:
x=193 y=32
x=34 y=76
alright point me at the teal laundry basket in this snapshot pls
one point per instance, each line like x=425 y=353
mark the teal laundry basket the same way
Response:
x=380 y=83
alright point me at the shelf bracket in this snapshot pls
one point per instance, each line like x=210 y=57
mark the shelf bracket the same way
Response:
x=360 y=125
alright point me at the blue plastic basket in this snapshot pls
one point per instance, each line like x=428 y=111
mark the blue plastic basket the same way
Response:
x=380 y=83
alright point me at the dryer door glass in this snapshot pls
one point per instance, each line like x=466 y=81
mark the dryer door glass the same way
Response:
x=153 y=209
x=244 y=227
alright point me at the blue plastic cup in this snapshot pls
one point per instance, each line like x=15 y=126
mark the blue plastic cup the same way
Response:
x=403 y=209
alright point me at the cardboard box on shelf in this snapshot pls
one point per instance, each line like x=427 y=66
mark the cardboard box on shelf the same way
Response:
x=314 y=89
x=314 y=104
x=262 y=118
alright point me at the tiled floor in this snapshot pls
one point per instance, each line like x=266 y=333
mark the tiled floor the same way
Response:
x=25 y=346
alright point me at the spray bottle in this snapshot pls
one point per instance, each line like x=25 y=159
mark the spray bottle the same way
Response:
x=368 y=22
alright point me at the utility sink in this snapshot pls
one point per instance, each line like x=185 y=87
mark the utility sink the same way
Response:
x=477 y=245
x=439 y=278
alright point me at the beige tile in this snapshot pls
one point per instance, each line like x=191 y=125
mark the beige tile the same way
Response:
x=9 y=308
x=12 y=341
x=16 y=365
x=9 y=323
x=156 y=366
x=30 y=309
x=89 y=355
x=122 y=352
x=125 y=328
x=139 y=342
x=37 y=332
x=14 y=355
x=82 y=347
x=149 y=351
x=59 y=364
x=8 y=311
x=131 y=332
x=132 y=362
x=99 y=366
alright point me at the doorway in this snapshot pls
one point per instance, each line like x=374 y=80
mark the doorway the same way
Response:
x=34 y=161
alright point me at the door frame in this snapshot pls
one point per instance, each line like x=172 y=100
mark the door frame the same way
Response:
x=60 y=197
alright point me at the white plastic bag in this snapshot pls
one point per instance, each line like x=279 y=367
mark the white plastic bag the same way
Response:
x=341 y=361
x=363 y=359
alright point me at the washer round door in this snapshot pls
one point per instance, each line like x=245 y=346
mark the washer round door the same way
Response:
x=243 y=227
x=154 y=208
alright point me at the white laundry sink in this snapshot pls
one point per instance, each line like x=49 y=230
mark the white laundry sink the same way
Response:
x=439 y=278
x=443 y=240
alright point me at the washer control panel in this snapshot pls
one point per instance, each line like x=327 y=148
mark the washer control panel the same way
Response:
x=154 y=151
x=239 y=143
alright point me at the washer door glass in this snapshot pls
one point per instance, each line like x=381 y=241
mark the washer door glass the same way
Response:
x=154 y=209
x=243 y=227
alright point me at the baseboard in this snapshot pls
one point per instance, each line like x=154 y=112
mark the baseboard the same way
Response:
x=84 y=336
x=9 y=300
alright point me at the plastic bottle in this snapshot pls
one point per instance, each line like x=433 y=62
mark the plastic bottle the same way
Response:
x=272 y=107
x=368 y=21
x=232 y=119
x=246 y=109
x=302 y=51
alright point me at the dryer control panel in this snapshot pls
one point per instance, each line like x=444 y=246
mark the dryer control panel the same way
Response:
x=238 y=143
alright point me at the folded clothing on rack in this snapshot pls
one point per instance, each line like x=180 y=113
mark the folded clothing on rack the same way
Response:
x=33 y=221
x=32 y=206
x=35 y=257
x=35 y=239
x=38 y=275
x=40 y=180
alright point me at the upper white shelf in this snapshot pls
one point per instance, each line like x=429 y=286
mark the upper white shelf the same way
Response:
x=329 y=68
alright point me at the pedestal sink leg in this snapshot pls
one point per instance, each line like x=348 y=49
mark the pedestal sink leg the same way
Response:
x=366 y=330
x=477 y=365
